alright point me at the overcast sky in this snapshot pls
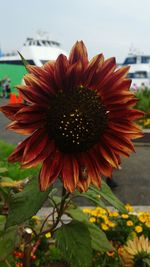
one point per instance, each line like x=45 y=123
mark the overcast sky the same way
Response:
x=108 y=26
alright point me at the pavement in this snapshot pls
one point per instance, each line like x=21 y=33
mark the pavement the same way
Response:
x=133 y=180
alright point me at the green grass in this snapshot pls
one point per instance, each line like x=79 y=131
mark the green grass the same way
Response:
x=14 y=170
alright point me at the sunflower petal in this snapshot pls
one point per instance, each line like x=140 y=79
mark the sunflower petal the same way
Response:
x=35 y=145
x=70 y=173
x=25 y=128
x=17 y=154
x=30 y=114
x=50 y=170
x=60 y=70
x=47 y=151
x=94 y=65
x=79 y=53
x=11 y=109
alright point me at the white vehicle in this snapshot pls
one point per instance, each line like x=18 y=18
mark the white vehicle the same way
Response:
x=36 y=51
x=139 y=70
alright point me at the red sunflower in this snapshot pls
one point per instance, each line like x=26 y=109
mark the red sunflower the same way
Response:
x=78 y=117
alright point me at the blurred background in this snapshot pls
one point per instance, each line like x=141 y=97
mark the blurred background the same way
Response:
x=41 y=30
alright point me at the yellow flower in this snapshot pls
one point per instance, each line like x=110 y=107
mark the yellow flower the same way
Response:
x=87 y=210
x=104 y=226
x=111 y=224
x=92 y=219
x=94 y=213
x=142 y=218
x=129 y=207
x=138 y=229
x=48 y=235
x=114 y=214
x=146 y=122
x=125 y=216
x=129 y=223
x=135 y=251
x=148 y=224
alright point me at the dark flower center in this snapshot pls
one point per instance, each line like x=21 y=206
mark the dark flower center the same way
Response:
x=76 y=120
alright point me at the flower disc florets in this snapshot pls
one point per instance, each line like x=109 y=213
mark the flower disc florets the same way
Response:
x=76 y=120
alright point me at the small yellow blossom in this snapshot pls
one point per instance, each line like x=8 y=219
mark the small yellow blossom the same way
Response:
x=87 y=210
x=129 y=223
x=114 y=214
x=48 y=235
x=142 y=218
x=111 y=224
x=104 y=226
x=138 y=229
x=125 y=216
x=148 y=224
x=92 y=219
x=146 y=122
x=129 y=207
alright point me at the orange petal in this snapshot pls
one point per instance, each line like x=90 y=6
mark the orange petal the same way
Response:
x=108 y=154
x=128 y=104
x=114 y=99
x=79 y=53
x=17 y=154
x=116 y=78
x=60 y=70
x=35 y=145
x=74 y=75
x=30 y=114
x=119 y=141
x=104 y=168
x=94 y=65
x=126 y=114
x=11 y=109
x=50 y=171
x=47 y=151
x=70 y=173
x=102 y=75
x=25 y=128
x=33 y=96
x=124 y=126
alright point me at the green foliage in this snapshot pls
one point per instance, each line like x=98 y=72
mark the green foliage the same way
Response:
x=107 y=194
x=25 y=204
x=73 y=239
x=144 y=100
x=99 y=241
x=2 y=222
x=13 y=170
x=76 y=213
x=7 y=242
x=100 y=196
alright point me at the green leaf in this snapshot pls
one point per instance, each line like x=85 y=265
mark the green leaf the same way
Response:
x=76 y=213
x=74 y=241
x=2 y=222
x=147 y=261
x=92 y=196
x=25 y=62
x=3 y=170
x=7 y=242
x=25 y=204
x=106 y=193
x=98 y=238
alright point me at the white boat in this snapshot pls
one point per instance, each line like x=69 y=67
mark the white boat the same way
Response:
x=139 y=70
x=36 y=51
